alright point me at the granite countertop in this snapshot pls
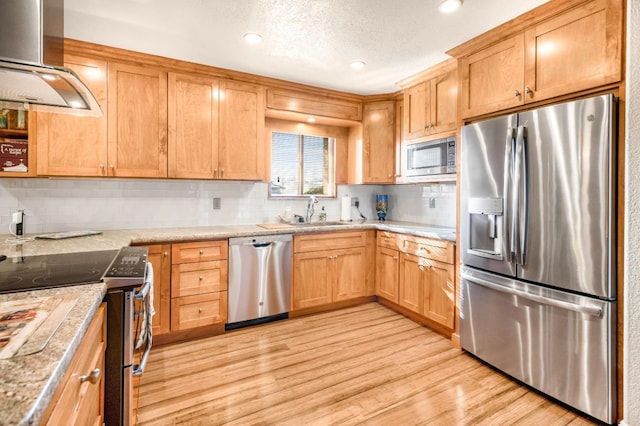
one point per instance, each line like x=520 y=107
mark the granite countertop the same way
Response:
x=118 y=238
x=27 y=383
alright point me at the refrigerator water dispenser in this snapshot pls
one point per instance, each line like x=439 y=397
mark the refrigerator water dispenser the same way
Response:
x=486 y=227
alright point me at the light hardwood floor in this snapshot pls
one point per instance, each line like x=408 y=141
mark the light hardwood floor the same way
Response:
x=359 y=365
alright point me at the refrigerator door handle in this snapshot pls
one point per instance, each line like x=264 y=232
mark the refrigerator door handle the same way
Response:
x=520 y=199
x=509 y=199
x=523 y=194
x=589 y=310
x=515 y=202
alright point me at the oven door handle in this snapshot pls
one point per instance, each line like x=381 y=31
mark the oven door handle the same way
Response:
x=138 y=369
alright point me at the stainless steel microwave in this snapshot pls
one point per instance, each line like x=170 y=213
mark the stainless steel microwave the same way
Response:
x=423 y=160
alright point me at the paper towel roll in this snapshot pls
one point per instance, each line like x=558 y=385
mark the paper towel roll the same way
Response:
x=345 y=210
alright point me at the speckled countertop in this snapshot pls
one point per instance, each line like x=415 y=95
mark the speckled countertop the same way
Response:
x=27 y=383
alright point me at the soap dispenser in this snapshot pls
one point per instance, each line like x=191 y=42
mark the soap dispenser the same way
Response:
x=322 y=217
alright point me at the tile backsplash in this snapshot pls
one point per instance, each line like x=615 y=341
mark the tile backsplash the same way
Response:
x=68 y=204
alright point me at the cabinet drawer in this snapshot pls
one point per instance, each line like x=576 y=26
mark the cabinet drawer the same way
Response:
x=330 y=241
x=197 y=311
x=80 y=401
x=189 y=279
x=442 y=251
x=387 y=239
x=199 y=252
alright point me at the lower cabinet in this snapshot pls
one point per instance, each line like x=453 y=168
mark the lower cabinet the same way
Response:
x=199 y=284
x=160 y=258
x=79 y=399
x=424 y=280
x=329 y=268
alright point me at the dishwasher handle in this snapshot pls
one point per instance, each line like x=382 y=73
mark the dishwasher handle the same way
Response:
x=258 y=245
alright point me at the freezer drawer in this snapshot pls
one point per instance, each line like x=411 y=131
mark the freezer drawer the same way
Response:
x=559 y=343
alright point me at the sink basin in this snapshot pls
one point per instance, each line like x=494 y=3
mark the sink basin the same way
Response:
x=321 y=223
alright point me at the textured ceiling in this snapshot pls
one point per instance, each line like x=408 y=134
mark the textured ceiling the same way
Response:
x=306 y=41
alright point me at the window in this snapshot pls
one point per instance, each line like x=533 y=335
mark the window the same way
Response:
x=302 y=165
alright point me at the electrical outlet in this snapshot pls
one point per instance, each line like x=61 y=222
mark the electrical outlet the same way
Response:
x=354 y=200
x=217 y=201
x=432 y=203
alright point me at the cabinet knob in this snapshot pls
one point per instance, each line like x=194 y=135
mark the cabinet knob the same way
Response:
x=101 y=166
x=201 y=252
x=111 y=166
x=200 y=310
x=221 y=172
x=166 y=254
x=92 y=377
x=215 y=171
x=200 y=278
x=516 y=94
x=395 y=257
x=390 y=175
x=528 y=92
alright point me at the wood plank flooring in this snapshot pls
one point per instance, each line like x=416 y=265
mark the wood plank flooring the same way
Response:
x=359 y=365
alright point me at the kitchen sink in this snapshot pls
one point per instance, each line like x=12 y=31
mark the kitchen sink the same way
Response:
x=310 y=224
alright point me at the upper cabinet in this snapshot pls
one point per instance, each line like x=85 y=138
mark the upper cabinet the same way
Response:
x=241 y=151
x=193 y=126
x=216 y=128
x=137 y=120
x=572 y=50
x=76 y=146
x=430 y=106
x=378 y=142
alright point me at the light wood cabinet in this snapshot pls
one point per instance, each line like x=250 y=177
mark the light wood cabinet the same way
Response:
x=378 y=142
x=424 y=280
x=76 y=146
x=137 y=121
x=216 y=129
x=79 y=399
x=193 y=126
x=387 y=265
x=160 y=258
x=578 y=49
x=241 y=150
x=328 y=268
x=199 y=278
x=430 y=107
x=314 y=105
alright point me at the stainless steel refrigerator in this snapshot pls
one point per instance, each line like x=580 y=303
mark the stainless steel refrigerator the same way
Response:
x=538 y=288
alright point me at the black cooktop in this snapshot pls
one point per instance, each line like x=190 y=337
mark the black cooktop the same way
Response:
x=54 y=270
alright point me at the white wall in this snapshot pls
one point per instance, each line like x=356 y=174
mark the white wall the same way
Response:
x=67 y=204
x=632 y=221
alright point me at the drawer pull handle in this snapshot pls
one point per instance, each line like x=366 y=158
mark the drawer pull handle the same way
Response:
x=92 y=377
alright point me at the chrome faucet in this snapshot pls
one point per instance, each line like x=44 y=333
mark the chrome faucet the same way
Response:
x=310 y=210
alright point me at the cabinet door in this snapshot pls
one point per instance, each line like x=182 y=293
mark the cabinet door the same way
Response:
x=493 y=79
x=137 y=116
x=378 y=143
x=444 y=102
x=241 y=131
x=574 y=51
x=75 y=146
x=410 y=283
x=312 y=279
x=349 y=267
x=160 y=258
x=439 y=293
x=417 y=110
x=193 y=127
x=387 y=264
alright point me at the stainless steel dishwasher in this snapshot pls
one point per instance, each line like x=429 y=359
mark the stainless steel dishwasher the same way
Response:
x=259 y=279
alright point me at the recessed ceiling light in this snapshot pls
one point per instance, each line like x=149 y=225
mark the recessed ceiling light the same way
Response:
x=357 y=65
x=253 y=38
x=448 y=6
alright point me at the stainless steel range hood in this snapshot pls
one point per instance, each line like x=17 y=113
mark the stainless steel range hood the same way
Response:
x=32 y=75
